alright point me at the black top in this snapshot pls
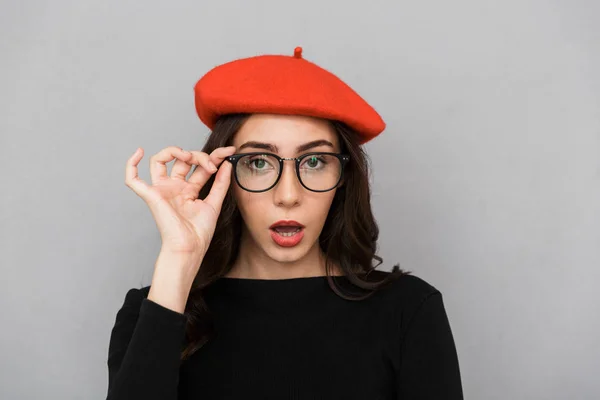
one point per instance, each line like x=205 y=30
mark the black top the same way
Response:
x=289 y=339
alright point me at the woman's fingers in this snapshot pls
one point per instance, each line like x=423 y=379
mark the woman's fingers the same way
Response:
x=132 y=179
x=220 y=187
x=198 y=179
x=206 y=165
x=181 y=168
x=199 y=158
x=201 y=175
x=158 y=162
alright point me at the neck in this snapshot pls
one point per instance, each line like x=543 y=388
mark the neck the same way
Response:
x=254 y=263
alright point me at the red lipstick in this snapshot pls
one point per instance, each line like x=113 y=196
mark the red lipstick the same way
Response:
x=289 y=222
x=287 y=233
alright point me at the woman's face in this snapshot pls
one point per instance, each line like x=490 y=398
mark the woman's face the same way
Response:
x=288 y=200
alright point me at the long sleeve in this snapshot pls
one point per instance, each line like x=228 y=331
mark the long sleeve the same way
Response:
x=429 y=367
x=144 y=350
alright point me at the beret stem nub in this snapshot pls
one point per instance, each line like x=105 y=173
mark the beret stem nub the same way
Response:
x=298 y=52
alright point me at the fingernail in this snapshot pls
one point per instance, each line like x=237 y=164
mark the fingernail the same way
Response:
x=212 y=166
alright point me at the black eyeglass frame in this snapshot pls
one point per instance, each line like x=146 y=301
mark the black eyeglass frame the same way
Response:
x=233 y=159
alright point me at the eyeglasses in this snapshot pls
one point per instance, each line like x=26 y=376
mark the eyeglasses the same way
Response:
x=259 y=171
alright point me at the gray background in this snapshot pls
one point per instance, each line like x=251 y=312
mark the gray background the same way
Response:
x=485 y=183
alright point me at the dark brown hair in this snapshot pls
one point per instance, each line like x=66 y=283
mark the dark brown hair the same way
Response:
x=349 y=236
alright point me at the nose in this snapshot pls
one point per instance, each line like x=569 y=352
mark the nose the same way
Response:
x=288 y=190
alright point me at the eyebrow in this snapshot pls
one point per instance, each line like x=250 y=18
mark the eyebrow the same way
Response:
x=273 y=148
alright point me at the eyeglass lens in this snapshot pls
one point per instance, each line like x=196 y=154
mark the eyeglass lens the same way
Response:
x=317 y=171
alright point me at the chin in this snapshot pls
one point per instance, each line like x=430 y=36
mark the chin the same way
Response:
x=286 y=258
x=285 y=254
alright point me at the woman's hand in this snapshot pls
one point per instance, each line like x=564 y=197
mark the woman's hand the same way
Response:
x=186 y=223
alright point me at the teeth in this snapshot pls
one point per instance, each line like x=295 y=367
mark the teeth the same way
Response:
x=287 y=234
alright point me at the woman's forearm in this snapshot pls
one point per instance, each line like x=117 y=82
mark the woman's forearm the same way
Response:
x=173 y=276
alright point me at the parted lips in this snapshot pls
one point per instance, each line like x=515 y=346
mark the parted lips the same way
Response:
x=283 y=84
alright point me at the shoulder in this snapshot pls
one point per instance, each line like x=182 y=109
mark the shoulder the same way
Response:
x=405 y=288
x=405 y=296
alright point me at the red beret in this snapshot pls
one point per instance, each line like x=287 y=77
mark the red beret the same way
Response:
x=282 y=84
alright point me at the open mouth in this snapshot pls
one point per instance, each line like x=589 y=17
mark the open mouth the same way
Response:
x=287 y=236
x=287 y=231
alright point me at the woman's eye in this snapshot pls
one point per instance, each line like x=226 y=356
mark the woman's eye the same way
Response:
x=258 y=163
x=313 y=162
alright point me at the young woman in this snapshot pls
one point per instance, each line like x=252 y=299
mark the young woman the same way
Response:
x=264 y=287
